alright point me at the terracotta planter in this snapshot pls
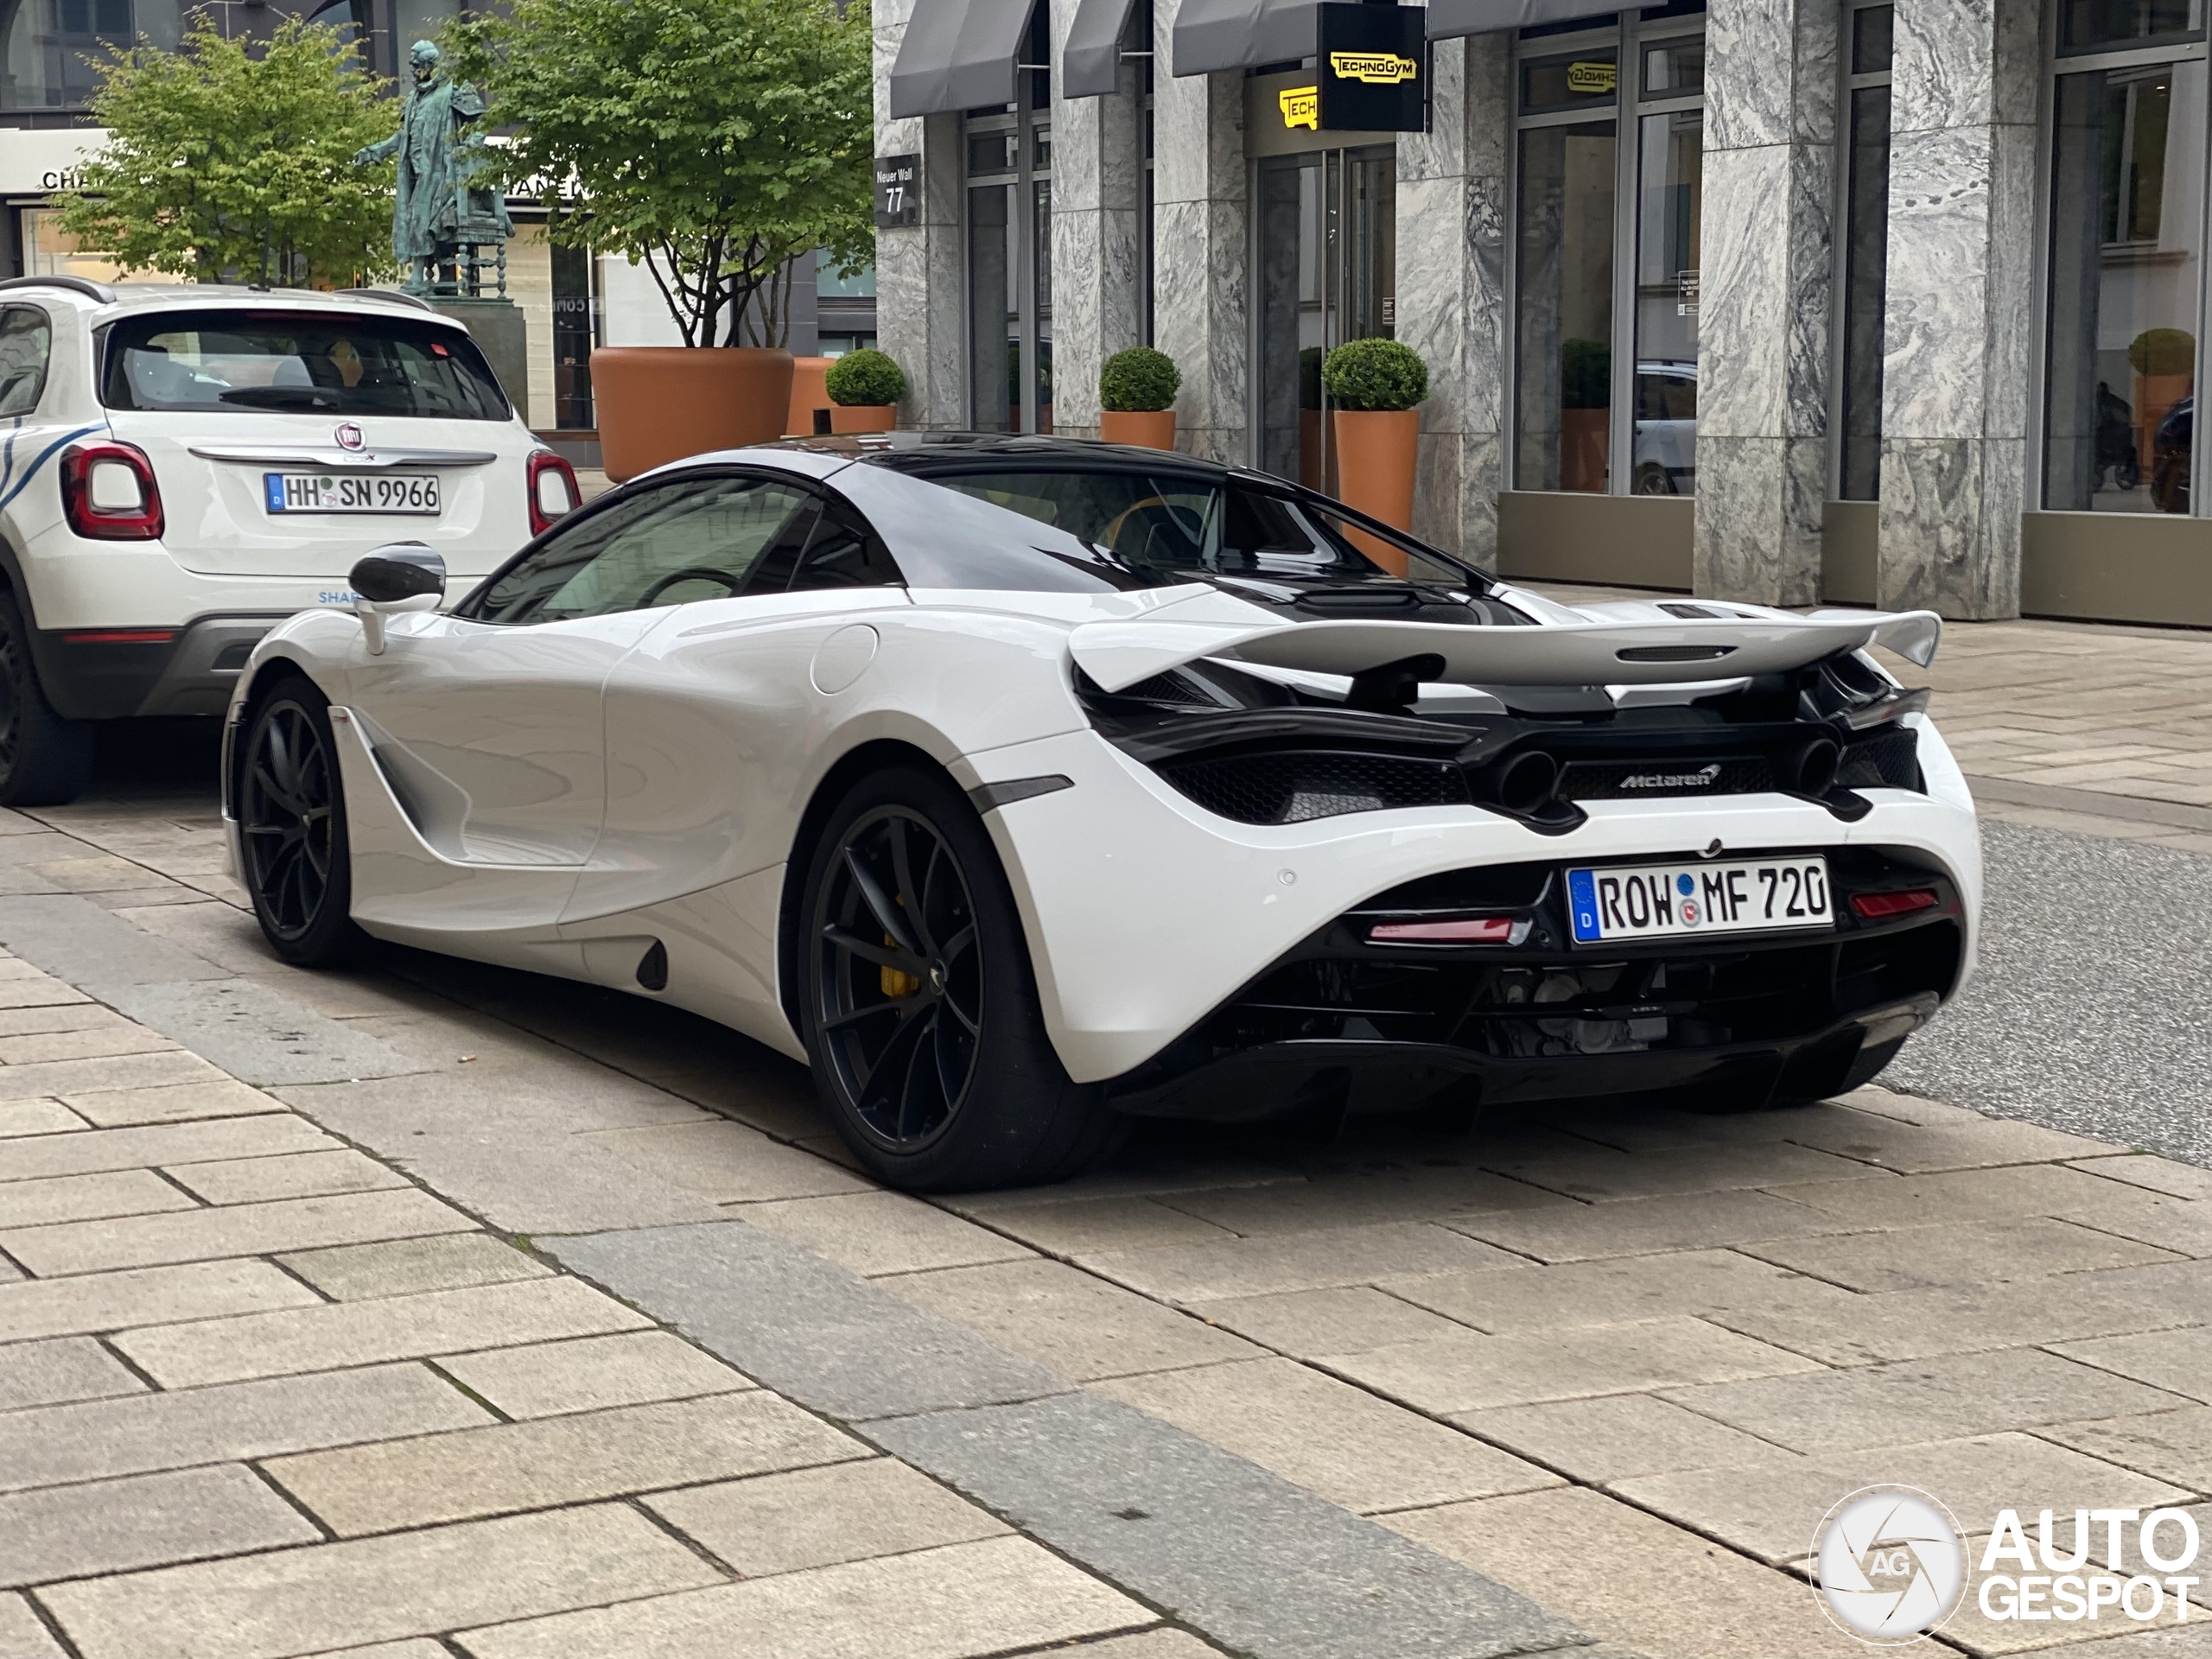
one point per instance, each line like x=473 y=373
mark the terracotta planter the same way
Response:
x=1311 y=471
x=1375 y=453
x=808 y=394
x=1147 y=428
x=863 y=417
x=658 y=403
x=1585 y=435
x=2155 y=397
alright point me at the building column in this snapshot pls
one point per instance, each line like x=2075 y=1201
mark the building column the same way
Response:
x=1955 y=469
x=1451 y=290
x=1097 y=290
x=919 y=284
x=1199 y=314
x=1765 y=283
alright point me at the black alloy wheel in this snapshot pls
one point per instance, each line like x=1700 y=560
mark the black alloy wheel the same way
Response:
x=917 y=1002
x=900 y=986
x=291 y=825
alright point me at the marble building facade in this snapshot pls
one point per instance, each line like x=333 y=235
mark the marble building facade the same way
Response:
x=1807 y=305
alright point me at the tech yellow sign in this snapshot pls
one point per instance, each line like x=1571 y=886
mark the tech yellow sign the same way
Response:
x=1373 y=68
x=1592 y=80
x=1301 y=107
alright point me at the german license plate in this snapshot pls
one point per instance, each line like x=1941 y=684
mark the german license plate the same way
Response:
x=1651 y=901
x=355 y=492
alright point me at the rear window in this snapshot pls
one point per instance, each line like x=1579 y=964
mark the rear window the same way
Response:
x=298 y=362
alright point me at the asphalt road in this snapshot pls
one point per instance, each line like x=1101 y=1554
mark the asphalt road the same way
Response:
x=2093 y=1009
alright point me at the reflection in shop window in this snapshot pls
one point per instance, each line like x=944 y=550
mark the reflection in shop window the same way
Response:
x=2102 y=25
x=53 y=45
x=2127 y=192
x=1866 y=255
x=1671 y=168
x=1564 y=305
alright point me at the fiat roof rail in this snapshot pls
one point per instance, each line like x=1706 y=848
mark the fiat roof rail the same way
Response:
x=392 y=294
x=84 y=285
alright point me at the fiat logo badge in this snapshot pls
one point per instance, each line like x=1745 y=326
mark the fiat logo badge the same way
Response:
x=350 y=436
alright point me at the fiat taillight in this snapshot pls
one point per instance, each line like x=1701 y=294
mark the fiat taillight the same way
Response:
x=108 y=492
x=553 y=492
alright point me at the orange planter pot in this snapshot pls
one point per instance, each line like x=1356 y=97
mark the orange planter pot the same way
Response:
x=1146 y=428
x=863 y=417
x=2155 y=397
x=1585 y=435
x=808 y=394
x=1376 y=450
x=658 y=403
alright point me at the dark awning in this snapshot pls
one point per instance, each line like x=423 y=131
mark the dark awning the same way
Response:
x=958 y=55
x=1091 y=59
x=1449 y=19
x=1211 y=35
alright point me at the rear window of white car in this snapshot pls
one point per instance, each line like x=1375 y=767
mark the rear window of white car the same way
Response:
x=292 y=362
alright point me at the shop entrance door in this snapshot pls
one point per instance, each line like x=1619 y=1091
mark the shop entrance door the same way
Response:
x=1325 y=270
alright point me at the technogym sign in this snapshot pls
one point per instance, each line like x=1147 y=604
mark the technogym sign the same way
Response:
x=1371 y=72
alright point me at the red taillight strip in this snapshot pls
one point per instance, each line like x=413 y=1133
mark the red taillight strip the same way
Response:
x=1451 y=930
x=122 y=637
x=1879 y=906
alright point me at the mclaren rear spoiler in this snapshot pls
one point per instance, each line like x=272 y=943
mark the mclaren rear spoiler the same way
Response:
x=1119 y=654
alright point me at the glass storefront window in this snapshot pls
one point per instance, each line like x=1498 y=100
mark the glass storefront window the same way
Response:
x=1564 y=307
x=2102 y=25
x=1665 y=461
x=2127 y=189
x=1606 y=262
x=1009 y=260
x=1866 y=255
x=53 y=45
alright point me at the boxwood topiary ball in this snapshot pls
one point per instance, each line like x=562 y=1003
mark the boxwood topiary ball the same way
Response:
x=864 y=380
x=1375 y=374
x=1138 y=381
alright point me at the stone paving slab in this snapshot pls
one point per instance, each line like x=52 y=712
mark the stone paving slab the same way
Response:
x=59 y=1370
x=823 y=1516
x=962 y=1600
x=552 y=1379
x=22 y=1634
x=47 y=1154
x=99 y=1440
x=410 y=1267
x=115 y=1302
x=317 y=1599
x=69 y=1532
x=236 y=1229
x=802 y=1326
x=576 y=1458
x=367 y=1332
x=1263 y=1566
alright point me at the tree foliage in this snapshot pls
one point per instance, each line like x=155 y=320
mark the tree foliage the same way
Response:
x=221 y=161
x=715 y=140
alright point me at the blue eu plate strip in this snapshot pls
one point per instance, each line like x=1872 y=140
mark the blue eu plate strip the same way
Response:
x=1582 y=904
x=274 y=483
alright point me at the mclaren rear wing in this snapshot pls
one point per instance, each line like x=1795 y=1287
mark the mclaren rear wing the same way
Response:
x=1118 y=655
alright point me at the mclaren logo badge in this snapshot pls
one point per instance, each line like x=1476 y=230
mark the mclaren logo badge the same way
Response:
x=1373 y=68
x=1703 y=778
x=1301 y=107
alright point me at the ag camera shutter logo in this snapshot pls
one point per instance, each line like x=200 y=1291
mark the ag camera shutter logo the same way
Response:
x=1889 y=1565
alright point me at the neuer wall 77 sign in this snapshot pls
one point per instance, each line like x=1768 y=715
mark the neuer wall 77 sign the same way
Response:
x=898 y=191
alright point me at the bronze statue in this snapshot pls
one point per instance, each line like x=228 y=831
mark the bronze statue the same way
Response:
x=438 y=223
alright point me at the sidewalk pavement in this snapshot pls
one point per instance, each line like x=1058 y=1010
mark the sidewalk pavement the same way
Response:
x=435 y=1309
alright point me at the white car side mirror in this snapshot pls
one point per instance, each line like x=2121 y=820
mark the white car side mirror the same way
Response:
x=398 y=578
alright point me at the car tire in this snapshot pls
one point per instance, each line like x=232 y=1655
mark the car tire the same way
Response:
x=296 y=857
x=45 y=760
x=929 y=1048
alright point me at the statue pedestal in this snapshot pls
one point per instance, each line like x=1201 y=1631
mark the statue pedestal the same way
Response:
x=497 y=327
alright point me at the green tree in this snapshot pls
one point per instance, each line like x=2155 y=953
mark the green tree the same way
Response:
x=715 y=140
x=219 y=161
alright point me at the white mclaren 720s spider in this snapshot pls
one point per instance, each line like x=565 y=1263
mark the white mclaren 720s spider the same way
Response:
x=1017 y=786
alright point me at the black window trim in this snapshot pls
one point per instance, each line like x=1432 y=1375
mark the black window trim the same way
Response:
x=471 y=604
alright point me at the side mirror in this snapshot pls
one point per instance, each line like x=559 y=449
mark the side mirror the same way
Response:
x=399 y=576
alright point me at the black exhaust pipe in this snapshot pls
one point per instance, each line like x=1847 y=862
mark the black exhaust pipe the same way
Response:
x=1519 y=784
x=1809 y=769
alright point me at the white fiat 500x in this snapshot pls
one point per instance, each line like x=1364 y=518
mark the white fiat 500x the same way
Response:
x=182 y=467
